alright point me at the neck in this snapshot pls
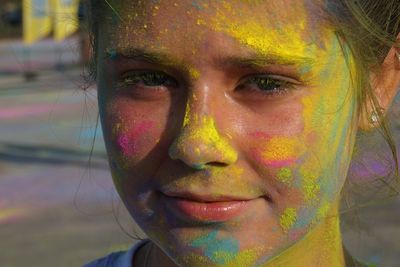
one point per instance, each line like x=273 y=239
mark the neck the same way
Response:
x=322 y=246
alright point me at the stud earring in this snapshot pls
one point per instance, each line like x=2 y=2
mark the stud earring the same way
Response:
x=374 y=118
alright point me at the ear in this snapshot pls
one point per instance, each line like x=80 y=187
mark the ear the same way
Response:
x=385 y=85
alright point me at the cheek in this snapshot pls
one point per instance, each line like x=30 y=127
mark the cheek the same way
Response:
x=130 y=135
x=329 y=153
x=134 y=140
x=277 y=141
x=277 y=152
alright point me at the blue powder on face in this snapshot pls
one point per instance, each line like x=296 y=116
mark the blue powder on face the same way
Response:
x=219 y=251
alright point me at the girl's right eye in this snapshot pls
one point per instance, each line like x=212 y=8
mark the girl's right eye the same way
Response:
x=147 y=79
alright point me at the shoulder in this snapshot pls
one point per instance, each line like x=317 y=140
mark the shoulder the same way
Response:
x=117 y=259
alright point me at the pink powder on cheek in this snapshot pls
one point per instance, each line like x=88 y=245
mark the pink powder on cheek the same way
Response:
x=275 y=151
x=272 y=163
x=129 y=141
x=260 y=135
x=279 y=163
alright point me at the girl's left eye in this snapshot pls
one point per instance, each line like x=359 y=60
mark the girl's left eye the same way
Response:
x=268 y=85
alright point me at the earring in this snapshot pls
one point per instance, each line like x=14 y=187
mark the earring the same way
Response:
x=397 y=60
x=374 y=118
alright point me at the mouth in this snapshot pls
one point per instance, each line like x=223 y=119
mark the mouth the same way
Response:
x=205 y=208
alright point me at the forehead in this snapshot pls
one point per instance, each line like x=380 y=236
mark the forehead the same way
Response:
x=270 y=27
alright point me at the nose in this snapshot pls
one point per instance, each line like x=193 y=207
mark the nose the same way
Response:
x=200 y=145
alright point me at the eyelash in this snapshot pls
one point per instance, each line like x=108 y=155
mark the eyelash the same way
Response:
x=274 y=85
x=147 y=78
x=267 y=85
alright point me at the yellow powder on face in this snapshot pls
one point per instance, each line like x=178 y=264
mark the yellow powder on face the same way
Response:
x=280 y=148
x=232 y=178
x=186 y=119
x=194 y=74
x=208 y=134
x=325 y=237
x=246 y=257
x=323 y=210
x=202 y=130
x=116 y=129
x=221 y=178
x=327 y=113
x=191 y=258
x=262 y=38
x=310 y=186
x=285 y=175
x=288 y=218
x=200 y=22
x=234 y=173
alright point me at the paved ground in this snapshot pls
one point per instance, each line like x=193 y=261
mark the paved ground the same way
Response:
x=16 y=57
x=55 y=210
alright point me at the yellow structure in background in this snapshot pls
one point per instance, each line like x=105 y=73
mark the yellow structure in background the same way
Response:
x=65 y=18
x=40 y=17
x=37 y=21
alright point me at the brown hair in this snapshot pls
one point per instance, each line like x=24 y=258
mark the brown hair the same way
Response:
x=370 y=29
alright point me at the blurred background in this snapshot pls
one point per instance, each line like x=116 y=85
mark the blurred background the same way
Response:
x=58 y=206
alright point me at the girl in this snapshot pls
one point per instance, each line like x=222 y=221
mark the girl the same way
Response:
x=230 y=125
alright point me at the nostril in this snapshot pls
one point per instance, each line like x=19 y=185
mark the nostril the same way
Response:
x=217 y=164
x=209 y=164
x=199 y=166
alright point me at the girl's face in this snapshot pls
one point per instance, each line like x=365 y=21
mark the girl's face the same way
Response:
x=229 y=124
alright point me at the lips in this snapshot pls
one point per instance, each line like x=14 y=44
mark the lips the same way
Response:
x=205 y=197
x=205 y=208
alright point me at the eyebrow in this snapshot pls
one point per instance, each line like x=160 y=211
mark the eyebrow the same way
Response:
x=261 y=60
x=253 y=60
x=141 y=54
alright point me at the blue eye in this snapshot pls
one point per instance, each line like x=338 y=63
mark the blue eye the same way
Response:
x=266 y=85
x=146 y=79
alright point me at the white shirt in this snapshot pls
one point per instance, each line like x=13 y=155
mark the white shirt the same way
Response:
x=118 y=259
